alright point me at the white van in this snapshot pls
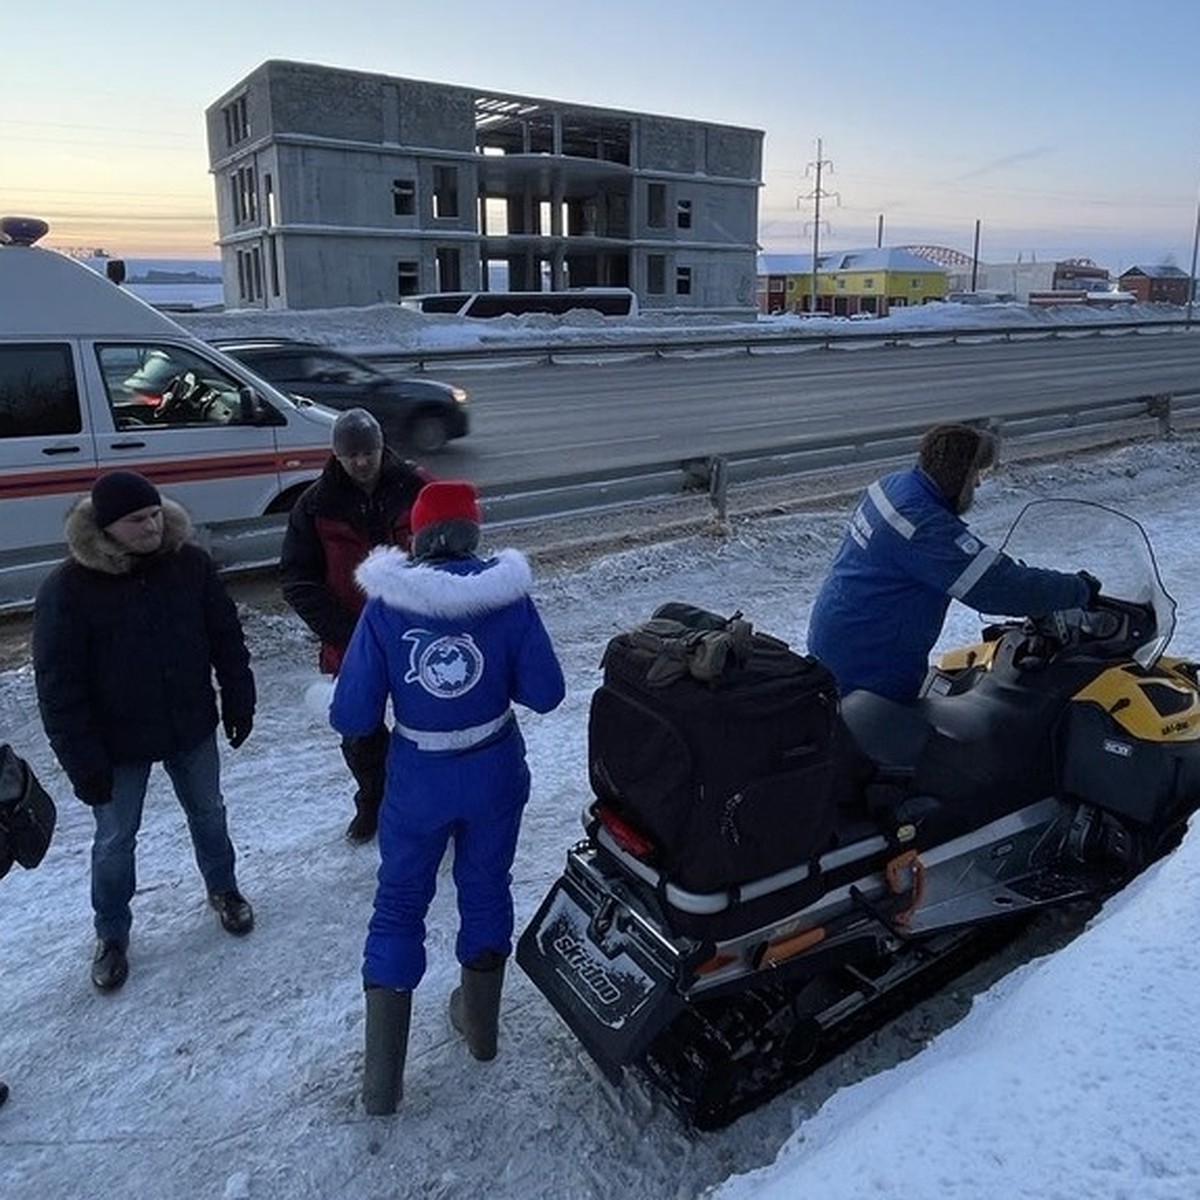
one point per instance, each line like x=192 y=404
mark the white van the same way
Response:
x=93 y=379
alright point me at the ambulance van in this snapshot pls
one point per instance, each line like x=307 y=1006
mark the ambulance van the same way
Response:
x=92 y=379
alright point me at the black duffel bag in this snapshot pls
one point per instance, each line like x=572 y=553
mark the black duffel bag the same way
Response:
x=27 y=814
x=722 y=744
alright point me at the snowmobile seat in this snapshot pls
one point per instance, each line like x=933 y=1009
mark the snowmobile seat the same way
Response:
x=893 y=735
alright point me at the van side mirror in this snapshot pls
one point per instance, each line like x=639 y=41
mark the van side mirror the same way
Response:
x=114 y=268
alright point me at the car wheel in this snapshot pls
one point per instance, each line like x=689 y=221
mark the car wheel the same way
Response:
x=427 y=434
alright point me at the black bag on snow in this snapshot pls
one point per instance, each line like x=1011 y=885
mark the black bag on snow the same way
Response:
x=733 y=775
x=27 y=814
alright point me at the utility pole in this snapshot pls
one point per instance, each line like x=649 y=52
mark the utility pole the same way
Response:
x=816 y=196
x=1192 y=280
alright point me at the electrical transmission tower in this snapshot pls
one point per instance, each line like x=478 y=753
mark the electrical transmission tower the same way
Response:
x=816 y=196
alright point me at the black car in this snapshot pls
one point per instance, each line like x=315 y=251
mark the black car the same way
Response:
x=417 y=415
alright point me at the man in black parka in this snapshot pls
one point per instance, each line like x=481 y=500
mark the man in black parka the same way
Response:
x=127 y=635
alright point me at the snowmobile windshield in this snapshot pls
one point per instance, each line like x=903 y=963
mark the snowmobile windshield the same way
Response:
x=1079 y=535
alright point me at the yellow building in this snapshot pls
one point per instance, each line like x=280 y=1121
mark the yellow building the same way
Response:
x=848 y=281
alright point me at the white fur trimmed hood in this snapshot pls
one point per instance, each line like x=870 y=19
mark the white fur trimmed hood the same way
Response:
x=388 y=574
x=90 y=548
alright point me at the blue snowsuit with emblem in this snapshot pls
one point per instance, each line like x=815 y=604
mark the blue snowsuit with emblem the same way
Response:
x=905 y=555
x=453 y=643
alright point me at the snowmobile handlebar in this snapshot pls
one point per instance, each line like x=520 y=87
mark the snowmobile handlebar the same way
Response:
x=1109 y=627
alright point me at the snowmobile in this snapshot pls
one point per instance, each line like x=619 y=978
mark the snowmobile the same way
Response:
x=1044 y=766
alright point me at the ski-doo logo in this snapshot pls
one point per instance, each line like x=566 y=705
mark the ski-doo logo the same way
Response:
x=1121 y=749
x=586 y=969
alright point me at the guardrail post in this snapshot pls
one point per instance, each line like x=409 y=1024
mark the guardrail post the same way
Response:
x=718 y=485
x=1160 y=406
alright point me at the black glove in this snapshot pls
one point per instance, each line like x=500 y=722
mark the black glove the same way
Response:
x=237 y=728
x=96 y=788
x=1093 y=586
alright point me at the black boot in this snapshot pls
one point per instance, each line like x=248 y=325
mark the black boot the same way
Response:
x=3 y=1092
x=110 y=967
x=475 y=1005
x=234 y=910
x=365 y=822
x=389 y=1013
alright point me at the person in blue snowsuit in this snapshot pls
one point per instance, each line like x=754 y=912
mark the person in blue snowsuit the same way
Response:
x=906 y=554
x=453 y=640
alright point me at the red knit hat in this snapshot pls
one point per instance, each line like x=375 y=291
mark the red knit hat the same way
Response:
x=445 y=500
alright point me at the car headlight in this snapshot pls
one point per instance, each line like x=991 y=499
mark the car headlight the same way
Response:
x=459 y=394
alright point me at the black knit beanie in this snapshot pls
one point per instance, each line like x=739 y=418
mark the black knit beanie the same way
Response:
x=356 y=432
x=119 y=493
x=951 y=454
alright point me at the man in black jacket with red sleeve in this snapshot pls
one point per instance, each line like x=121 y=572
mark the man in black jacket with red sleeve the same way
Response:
x=363 y=499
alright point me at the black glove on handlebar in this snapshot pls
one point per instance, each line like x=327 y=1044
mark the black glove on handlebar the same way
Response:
x=1093 y=586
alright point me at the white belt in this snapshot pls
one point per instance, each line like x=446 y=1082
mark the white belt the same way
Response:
x=454 y=739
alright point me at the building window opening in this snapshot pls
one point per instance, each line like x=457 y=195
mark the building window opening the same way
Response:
x=683 y=281
x=269 y=193
x=244 y=195
x=656 y=274
x=404 y=197
x=408 y=278
x=250 y=275
x=449 y=273
x=445 y=192
x=237 y=121
x=656 y=205
x=683 y=214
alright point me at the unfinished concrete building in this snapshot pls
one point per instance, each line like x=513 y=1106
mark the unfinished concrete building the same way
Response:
x=339 y=187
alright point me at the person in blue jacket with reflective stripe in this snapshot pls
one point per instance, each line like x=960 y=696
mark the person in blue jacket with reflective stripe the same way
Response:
x=906 y=554
x=453 y=640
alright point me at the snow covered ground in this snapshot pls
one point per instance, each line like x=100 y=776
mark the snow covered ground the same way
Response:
x=229 y=1068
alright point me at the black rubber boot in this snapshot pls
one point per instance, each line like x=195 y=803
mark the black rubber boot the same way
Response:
x=389 y=1013
x=475 y=1007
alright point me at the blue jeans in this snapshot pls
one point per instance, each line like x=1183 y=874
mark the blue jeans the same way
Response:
x=196 y=777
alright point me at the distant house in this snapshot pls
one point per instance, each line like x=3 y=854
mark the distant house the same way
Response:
x=848 y=282
x=1157 y=285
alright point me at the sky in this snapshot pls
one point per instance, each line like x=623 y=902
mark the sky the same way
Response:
x=1068 y=129
x=228 y=1069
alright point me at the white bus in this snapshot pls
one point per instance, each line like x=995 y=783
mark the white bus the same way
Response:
x=611 y=302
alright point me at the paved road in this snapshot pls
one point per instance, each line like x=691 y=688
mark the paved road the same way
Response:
x=536 y=421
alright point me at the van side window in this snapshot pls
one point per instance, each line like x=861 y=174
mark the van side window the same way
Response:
x=38 y=393
x=165 y=386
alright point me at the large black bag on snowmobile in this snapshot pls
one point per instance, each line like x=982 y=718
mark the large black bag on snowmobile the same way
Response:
x=722 y=745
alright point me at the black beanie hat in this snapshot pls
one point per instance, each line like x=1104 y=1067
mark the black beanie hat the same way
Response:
x=356 y=432
x=951 y=454
x=119 y=493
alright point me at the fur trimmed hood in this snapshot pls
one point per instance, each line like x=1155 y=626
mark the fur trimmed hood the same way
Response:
x=90 y=548
x=463 y=587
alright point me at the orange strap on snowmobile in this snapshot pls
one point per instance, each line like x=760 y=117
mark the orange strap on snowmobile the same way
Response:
x=907 y=864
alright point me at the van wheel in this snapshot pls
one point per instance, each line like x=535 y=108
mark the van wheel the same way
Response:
x=427 y=434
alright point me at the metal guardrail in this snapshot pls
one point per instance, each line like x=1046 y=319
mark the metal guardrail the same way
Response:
x=834 y=334
x=255 y=543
